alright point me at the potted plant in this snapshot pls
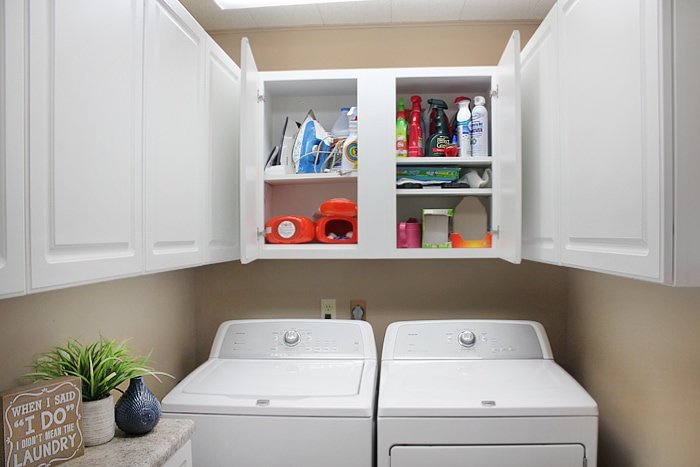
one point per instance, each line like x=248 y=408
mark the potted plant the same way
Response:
x=101 y=366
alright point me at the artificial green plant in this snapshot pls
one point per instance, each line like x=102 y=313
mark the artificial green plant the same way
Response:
x=101 y=366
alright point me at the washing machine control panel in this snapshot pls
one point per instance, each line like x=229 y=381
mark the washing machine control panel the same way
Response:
x=293 y=339
x=472 y=339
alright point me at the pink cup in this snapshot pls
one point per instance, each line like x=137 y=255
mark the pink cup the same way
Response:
x=408 y=235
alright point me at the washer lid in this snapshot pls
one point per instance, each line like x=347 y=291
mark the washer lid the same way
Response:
x=480 y=388
x=278 y=378
x=320 y=388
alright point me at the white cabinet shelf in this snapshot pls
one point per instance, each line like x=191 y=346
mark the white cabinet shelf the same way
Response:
x=310 y=179
x=445 y=161
x=459 y=192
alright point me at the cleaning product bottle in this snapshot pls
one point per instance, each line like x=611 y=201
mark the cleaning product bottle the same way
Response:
x=415 y=132
x=464 y=127
x=440 y=139
x=401 y=129
x=480 y=128
x=340 y=128
x=453 y=120
x=349 y=160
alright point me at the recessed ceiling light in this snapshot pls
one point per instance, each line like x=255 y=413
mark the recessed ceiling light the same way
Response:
x=240 y=4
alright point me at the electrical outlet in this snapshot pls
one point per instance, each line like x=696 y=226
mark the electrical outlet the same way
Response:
x=328 y=308
x=355 y=313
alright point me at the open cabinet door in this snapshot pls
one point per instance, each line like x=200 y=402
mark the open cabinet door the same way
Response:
x=251 y=172
x=507 y=199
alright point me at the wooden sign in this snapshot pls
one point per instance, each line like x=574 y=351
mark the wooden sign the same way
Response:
x=42 y=423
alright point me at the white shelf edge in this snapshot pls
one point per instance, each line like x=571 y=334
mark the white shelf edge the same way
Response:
x=292 y=179
x=447 y=161
x=406 y=192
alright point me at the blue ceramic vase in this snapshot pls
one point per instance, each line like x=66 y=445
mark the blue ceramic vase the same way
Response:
x=137 y=411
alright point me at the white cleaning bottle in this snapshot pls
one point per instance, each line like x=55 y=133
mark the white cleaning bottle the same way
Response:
x=464 y=128
x=341 y=126
x=480 y=128
x=349 y=160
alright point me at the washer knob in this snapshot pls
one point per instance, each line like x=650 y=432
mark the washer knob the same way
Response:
x=292 y=337
x=467 y=339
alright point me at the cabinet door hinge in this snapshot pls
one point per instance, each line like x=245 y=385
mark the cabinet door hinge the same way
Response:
x=261 y=97
x=494 y=92
x=496 y=232
x=261 y=233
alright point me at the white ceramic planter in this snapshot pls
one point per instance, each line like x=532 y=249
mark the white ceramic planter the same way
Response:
x=98 y=421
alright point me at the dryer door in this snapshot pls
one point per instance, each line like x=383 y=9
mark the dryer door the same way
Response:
x=559 y=455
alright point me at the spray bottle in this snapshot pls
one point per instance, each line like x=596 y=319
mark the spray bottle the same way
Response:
x=480 y=128
x=401 y=130
x=415 y=133
x=349 y=160
x=464 y=127
x=440 y=139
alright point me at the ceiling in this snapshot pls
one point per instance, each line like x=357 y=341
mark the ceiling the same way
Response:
x=373 y=12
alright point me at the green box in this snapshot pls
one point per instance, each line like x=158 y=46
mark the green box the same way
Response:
x=437 y=228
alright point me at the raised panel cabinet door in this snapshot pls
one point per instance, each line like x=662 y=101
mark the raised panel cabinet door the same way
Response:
x=540 y=116
x=222 y=184
x=175 y=147
x=507 y=150
x=612 y=164
x=85 y=154
x=251 y=193
x=12 y=134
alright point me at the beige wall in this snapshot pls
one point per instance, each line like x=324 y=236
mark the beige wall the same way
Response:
x=635 y=348
x=468 y=44
x=394 y=290
x=155 y=312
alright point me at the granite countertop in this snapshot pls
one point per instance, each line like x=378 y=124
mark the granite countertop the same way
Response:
x=150 y=450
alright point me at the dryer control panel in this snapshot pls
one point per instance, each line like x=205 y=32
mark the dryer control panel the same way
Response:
x=466 y=339
x=317 y=339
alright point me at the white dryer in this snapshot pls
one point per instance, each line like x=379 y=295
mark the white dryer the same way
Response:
x=282 y=392
x=479 y=392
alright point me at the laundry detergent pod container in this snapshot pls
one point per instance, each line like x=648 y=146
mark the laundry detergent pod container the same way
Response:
x=290 y=229
x=336 y=229
x=339 y=221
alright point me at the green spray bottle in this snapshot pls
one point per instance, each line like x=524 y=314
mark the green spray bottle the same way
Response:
x=440 y=139
x=401 y=130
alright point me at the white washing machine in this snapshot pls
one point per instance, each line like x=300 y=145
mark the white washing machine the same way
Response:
x=282 y=392
x=479 y=393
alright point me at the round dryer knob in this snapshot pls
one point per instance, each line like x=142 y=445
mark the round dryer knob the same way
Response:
x=292 y=337
x=467 y=339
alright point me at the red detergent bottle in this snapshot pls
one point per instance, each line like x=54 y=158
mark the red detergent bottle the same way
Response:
x=415 y=129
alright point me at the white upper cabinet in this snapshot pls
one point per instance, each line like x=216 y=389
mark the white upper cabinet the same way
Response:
x=85 y=156
x=175 y=148
x=269 y=99
x=612 y=159
x=12 y=148
x=120 y=128
x=540 y=116
x=222 y=224
x=626 y=160
x=682 y=138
